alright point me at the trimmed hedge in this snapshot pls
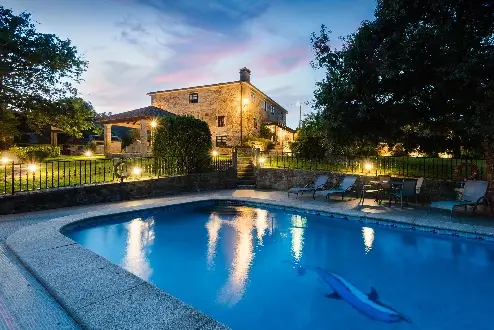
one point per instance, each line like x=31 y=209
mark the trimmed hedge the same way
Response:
x=34 y=153
x=184 y=144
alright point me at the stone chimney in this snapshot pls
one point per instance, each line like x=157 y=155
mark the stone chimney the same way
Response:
x=245 y=74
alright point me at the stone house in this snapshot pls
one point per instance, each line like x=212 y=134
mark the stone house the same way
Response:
x=233 y=110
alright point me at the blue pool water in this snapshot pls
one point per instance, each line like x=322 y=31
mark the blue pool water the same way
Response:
x=261 y=268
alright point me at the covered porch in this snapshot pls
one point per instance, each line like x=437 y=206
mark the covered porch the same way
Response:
x=142 y=119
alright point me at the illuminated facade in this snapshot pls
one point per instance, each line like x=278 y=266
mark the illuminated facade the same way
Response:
x=233 y=110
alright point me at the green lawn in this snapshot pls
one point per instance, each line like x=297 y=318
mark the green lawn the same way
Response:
x=434 y=168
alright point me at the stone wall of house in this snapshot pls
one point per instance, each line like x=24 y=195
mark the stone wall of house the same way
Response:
x=221 y=100
x=284 y=179
x=112 y=192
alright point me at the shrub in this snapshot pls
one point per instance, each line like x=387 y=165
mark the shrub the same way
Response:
x=92 y=146
x=257 y=142
x=34 y=153
x=183 y=143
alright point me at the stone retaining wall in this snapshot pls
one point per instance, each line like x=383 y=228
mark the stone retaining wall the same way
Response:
x=112 y=192
x=284 y=179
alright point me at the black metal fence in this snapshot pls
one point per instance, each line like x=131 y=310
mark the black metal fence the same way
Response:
x=427 y=167
x=21 y=177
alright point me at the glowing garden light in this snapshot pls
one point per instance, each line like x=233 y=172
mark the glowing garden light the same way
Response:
x=262 y=160
x=32 y=167
x=215 y=153
x=136 y=170
x=368 y=167
x=5 y=160
x=88 y=153
x=154 y=123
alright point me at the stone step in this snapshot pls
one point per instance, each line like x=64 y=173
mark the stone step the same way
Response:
x=251 y=172
x=246 y=186
x=246 y=178
x=244 y=182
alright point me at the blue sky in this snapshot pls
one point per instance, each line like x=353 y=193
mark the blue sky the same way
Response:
x=138 y=46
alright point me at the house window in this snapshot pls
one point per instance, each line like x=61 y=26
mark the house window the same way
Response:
x=252 y=96
x=272 y=109
x=255 y=122
x=193 y=98
x=221 y=141
x=266 y=105
x=221 y=121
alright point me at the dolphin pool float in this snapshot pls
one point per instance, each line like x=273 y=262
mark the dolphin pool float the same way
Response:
x=367 y=304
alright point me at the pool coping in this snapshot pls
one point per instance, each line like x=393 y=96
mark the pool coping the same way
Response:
x=101 y=295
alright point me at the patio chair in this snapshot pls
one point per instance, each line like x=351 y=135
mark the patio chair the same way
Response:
x=474 y=192
x=346 y=186
x=319 y=184
x=406 y=190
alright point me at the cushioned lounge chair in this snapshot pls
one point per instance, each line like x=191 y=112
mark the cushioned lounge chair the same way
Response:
x=319 y=184
x=346 y=186
x=474 y=192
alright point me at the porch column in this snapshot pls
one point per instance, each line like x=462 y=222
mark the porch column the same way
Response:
x=107 y=137
x=54 y=138
x=144 y=136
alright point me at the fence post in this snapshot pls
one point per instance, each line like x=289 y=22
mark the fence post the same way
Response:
x=13 y=178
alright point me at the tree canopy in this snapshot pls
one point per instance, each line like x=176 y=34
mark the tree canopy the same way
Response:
x=38 y=76
x=419 y=73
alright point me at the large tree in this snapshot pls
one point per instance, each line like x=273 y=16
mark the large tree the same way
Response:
x=38 y=75
x=421 y=73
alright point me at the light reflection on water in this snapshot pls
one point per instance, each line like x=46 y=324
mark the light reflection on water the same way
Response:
x=368 y=235
x=140 y=237
x=297 y=230
x=244 y=223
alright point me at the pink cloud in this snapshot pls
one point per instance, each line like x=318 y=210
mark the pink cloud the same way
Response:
x=282 y=61
x=193 y=62
x=182 y=78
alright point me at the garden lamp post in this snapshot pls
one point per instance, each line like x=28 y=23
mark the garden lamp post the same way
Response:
x=244 y=105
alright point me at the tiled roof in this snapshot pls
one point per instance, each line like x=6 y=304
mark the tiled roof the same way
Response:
x=146 y=112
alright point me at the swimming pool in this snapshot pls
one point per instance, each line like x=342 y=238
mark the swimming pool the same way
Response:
x=253 y=266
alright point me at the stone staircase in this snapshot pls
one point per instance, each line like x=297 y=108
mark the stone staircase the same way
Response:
x=246 y=177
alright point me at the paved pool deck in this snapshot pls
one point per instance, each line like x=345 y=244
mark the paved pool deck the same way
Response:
x=94 y=291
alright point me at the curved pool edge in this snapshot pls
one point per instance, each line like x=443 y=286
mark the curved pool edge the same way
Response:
x=102 y=295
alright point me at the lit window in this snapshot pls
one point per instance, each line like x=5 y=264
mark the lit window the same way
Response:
x=221 y=141
x=272 y=109
x=193 y=98
x=221 y=121
x=266 y=105
x=255 y=122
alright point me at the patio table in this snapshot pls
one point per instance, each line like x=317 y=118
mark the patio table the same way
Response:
x=368 y=187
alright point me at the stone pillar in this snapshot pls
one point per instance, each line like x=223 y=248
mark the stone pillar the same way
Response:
x=54 y=138
x=144 y=136
x=107 y=138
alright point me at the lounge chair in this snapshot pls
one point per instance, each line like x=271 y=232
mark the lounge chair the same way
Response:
x=346 y=186
x=319 y=184
x=474 y=192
